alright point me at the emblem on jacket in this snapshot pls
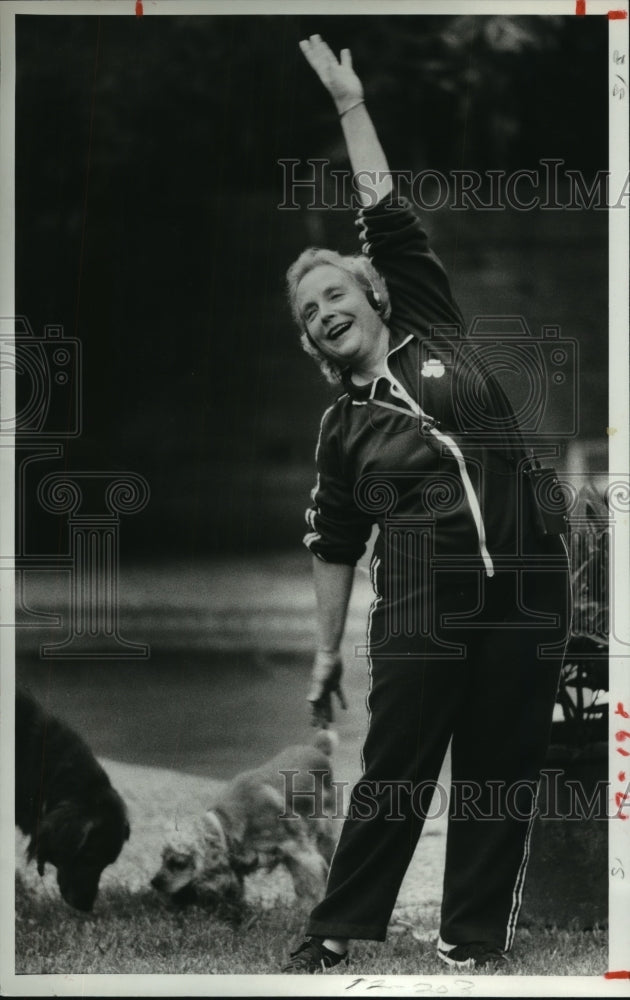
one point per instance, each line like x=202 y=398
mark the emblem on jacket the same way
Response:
x=432 y=368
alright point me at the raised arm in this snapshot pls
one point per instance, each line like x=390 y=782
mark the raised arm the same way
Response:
x=367 y=158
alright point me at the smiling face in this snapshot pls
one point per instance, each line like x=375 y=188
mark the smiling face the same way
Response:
x=339 y=319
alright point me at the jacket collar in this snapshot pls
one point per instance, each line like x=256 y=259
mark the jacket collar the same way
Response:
x=361 y=393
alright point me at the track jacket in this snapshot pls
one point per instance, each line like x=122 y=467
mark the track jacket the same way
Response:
x=432 y=443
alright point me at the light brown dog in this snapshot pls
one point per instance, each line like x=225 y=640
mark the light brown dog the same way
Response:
x=279 y=813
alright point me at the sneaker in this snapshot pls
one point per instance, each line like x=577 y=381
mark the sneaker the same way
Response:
x=472 y=956
x=312 y=957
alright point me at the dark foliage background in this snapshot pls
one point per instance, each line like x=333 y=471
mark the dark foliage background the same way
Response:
x=147 y=186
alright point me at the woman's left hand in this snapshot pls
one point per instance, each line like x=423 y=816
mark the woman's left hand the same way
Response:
x=338 y=76
x=325 y=681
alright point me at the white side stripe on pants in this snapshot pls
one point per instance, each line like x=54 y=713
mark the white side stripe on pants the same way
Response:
x=517 y=895
x=374 y=565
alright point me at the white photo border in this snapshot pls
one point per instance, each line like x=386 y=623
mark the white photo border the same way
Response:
x=619 y=444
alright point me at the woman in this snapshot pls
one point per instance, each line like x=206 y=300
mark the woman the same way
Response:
x=467 y=628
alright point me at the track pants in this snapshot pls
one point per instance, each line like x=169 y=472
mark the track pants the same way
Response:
x=494 y=701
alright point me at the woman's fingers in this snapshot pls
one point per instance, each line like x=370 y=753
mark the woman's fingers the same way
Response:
x=318 y=44
x=321 y=712
x=318 y=53
x=337 y=75
x=321 y=46
x=313 y=57
x=341 y=697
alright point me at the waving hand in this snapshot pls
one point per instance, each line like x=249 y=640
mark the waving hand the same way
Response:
x=342 y=83
x=338 y=76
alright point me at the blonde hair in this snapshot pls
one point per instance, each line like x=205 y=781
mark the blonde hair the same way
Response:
x=359 y=268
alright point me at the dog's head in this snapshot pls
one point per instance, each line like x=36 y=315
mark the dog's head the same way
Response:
x=182 y=861
x=80 y=839
x=200 y=864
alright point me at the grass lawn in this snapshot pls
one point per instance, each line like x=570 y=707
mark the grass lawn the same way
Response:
x=132 y=931
x=138 y=934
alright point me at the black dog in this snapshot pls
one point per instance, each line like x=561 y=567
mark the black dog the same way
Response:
x=65 y=802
